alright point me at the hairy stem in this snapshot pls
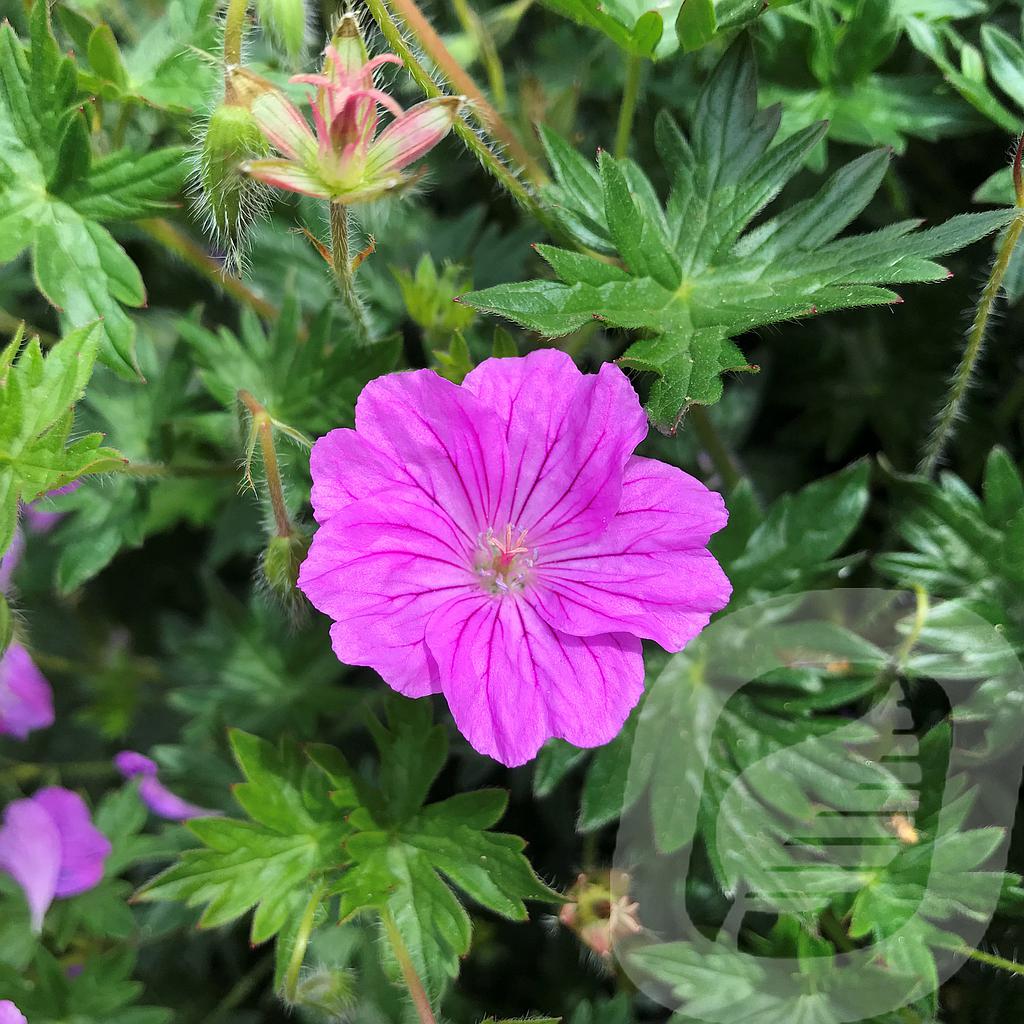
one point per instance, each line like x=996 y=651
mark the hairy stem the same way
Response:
x=433 y=46
x=263 y=429
x=241 y=990
x=420 y=999
x=992 y=960
x=478 y=147
x=341 y=263
x=715 y=447
x=475 y=26
x=951 y=411
x=234 y=31
x=11 y=324
x=194 y=256
x=291 y=976
x=162 y=470
x=627 y=111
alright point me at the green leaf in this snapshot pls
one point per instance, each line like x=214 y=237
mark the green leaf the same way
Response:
x=696 y=24
x=940 y=877
x=128 y=185
x=961 y=547
x=697 y=275
x=36 y=416
x=718 y=980
x=82 y=271
x=105 y=57
x=148 y=425
x=399 y=869
x=307 y=380
x=266 y=863
x=52 y=194
x=632 y=26
x=970 y=552
x=794 y=544
x=1005 y=58
x=316 y=827
x=101 y=992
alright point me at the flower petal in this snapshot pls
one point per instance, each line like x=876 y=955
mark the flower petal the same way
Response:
x=287 y=175
x=345 y=468
x=155 y=795
x=414 y=133
x=26 y=699
x=512 y=682
x=283 y=125
x=649 y=573
x=83 y=847
x=30 y=852
x=380 y=568
x=130 y=764
x=161 y=801
x=444 y=440
x=569 y=436
x=10 y=559
x=10 y=1014
x=40 y=517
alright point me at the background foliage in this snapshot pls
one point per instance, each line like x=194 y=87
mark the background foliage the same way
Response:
x=164 y=613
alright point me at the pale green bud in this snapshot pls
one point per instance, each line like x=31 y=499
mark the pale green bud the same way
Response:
x=330 y=991
x=231 y=199
x=280 y=568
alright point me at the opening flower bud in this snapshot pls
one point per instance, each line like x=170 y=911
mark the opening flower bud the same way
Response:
x=329 y=991
x=286 y=22
x=599 y=911
x=231 y=199
x=280 y=567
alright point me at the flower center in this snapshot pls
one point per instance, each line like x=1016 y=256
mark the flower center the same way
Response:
x=502 y=561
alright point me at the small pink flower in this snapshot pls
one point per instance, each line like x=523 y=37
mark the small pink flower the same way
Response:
x=500 y=543
x=10 y=1014
x=155 y=795
x=39 y=518
x=26 y=699
x=50 y=847
x=346 y=161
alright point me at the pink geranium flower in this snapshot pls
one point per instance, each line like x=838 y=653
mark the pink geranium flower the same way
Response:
x=346 y=161
x=26 y=699
x=501 y=544
x=10 y=1014
x=155 y=795
x=50 y=847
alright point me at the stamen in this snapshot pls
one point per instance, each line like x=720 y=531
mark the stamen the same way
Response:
x=503 y=561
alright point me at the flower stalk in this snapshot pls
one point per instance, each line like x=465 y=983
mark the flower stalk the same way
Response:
x=716 y=448
x=487 y=158
x=262 y=430
x=420 y=999
x=344 y=274
x=627 y=111
x=476 y=27
x=952 y=410
x=302 y=937
x=453 y=72
x=234 y=31
x=192 y=255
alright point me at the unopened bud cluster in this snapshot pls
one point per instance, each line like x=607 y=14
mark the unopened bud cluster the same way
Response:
x=340 y=157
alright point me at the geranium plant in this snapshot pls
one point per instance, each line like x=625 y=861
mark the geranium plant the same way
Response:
x=493 y=498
